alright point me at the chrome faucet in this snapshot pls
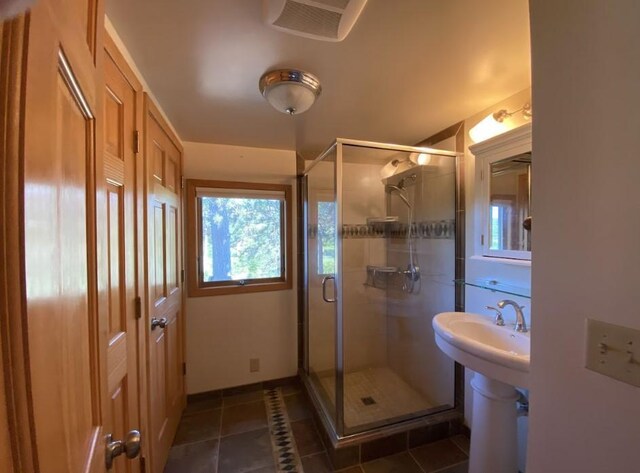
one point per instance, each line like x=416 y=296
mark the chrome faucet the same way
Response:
x=521 y=324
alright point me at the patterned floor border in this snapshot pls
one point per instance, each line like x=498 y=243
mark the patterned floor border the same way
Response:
x=284 y=446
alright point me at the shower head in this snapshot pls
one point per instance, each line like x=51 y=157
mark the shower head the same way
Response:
x=399 y=190
x=412 y=178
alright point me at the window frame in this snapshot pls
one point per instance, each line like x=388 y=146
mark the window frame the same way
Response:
x=196 y=286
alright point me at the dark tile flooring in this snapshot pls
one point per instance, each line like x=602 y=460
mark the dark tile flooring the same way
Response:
x=231 y=435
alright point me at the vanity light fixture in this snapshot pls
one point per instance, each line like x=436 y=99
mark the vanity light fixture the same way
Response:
x=493 y=124
x=290 y=91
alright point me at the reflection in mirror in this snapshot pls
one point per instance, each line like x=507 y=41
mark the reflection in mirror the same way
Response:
x=510 y=204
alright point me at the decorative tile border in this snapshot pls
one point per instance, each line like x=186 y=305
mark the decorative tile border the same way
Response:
x=426 y=230
x=284 y=447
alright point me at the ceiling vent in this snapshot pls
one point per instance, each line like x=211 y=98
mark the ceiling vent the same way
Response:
x=326 y=20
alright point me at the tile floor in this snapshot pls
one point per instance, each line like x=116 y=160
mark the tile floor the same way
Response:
x=232 y=435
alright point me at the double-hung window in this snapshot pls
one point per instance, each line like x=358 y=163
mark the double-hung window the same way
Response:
x=239 y=237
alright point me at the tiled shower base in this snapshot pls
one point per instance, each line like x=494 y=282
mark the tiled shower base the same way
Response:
x=376 y=394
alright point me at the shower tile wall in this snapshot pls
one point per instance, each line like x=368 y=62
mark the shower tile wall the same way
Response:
x=411 y=348
x=365 y=328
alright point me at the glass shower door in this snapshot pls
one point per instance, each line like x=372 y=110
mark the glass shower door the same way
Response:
x=321 y=267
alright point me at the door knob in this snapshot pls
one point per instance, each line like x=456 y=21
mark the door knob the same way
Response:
x=130 y=447
x=156 y=322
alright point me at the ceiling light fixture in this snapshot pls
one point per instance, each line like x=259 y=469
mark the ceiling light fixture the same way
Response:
x=289 y=90
x=493 y=124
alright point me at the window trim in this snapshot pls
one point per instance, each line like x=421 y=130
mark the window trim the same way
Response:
x=196 y=287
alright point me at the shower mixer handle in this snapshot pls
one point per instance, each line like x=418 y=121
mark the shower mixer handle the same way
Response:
x=324 y=288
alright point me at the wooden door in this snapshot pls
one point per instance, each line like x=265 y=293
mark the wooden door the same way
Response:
x=121 y=117
x=163 y=156
x=62 y=318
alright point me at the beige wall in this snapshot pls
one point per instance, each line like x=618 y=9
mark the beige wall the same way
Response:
x=224 y=332
x=586 y=196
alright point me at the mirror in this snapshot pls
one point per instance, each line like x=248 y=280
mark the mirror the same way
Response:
x=509 y=217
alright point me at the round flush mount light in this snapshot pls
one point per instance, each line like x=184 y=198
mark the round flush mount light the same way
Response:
x=289 y=90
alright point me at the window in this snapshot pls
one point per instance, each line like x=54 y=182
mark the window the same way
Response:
x=239 y=237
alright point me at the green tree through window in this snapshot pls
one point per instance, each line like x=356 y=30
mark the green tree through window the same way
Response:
x=326 y=237
x=241 y=238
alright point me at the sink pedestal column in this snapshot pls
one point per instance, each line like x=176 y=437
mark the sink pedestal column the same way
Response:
x=494 y=437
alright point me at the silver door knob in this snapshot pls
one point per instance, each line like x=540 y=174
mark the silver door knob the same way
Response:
x=156 y=322
x=130 y=447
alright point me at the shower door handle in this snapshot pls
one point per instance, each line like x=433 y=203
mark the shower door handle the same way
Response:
x=324 y=288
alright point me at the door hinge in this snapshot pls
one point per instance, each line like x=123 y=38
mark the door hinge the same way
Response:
x=182 y=275
x=138 y=304
x=181 y=182
x=482 y=240
x=481 y=175
x=136 y=141
x=184 y=369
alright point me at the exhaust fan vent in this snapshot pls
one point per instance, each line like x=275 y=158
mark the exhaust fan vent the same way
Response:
x=328 y=20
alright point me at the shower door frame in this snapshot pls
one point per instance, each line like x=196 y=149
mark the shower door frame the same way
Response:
x=337 y=429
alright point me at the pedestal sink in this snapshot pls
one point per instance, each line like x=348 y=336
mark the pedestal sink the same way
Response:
x=500 y=358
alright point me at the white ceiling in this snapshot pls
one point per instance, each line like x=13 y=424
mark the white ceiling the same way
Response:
x=408 y=69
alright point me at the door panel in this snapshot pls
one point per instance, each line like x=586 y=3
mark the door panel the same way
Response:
x=173 y=251
x=118 y=408
x=158 y=268
x=157 y=161
x=167 y=398
x=63 y=323
x=116 y=275
x=120 y=109
x=173 y=369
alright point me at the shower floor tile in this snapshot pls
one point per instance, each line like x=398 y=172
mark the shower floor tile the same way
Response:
x=376 y=394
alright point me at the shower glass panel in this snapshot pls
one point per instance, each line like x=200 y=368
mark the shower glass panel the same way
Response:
x=398 y=270
x=381 y=222
x=321 y=264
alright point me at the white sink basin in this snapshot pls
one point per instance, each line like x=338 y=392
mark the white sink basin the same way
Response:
x=475 y=341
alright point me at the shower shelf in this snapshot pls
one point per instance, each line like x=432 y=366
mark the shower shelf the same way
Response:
x=495 y=286
x=379 y=276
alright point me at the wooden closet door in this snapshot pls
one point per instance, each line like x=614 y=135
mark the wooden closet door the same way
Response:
x=123 y=305
x=166 y=382
x=65 y=328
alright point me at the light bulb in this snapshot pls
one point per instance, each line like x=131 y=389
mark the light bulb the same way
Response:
x=487 y=128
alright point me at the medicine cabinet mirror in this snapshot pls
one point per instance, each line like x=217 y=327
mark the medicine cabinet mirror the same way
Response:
x=504 y=194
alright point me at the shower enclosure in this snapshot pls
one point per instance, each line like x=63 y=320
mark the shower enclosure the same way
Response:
x=380 y=248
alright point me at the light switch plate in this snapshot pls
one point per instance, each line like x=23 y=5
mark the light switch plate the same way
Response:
x=614 y=351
